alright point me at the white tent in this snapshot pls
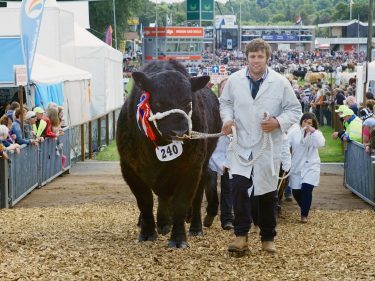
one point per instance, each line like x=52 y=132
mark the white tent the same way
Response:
x=61 y=39
x=50 y=71
x=105 y=64
x=76 y=85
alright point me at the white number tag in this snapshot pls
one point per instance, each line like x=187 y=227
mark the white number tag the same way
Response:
x=169 y=152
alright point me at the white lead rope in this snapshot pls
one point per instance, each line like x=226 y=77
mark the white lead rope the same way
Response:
x=267 y=140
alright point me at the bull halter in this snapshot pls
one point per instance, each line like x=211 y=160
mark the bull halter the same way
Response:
x=145 y=114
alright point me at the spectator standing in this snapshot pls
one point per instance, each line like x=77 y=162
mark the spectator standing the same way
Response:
x=16 y=129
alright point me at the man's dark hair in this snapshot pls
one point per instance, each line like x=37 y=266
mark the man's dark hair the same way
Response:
x=369 y=96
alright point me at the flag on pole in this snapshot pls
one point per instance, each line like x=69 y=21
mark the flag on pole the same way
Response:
x=298 y=20
x=31 y=18
x=108 y=35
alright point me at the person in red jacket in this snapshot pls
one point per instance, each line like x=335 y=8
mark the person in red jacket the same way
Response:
x=42 y=126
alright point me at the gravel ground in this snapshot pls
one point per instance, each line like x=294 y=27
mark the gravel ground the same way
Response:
x=83 y=227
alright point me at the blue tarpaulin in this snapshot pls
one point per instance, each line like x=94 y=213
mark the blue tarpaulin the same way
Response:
x=10 y=55
x=46 y=93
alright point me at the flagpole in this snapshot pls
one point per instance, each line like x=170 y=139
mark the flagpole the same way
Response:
x=114 y=21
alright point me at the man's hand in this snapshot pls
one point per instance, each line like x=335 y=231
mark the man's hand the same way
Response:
x=270 y=125
x=335 y=135
x=227 y=127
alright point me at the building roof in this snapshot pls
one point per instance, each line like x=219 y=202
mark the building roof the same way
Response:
x=279 y=26
x=343 y=23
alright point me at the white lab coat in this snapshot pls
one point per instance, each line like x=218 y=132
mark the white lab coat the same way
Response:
x=218 y=158
x=276 y=97
x=305 y=157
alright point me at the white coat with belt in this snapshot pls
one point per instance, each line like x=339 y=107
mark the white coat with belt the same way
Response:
x=275 y=96
x=305 y=157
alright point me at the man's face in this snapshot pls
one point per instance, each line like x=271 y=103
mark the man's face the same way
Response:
x=257 y=62
x=39 y=116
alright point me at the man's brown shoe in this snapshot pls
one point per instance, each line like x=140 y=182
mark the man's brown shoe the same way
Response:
x=303 y=219
x=269 y=246
x=239 y=245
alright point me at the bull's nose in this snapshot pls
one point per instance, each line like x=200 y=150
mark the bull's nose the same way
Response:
x=177 y=133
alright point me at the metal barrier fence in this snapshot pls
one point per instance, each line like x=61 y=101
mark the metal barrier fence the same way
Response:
x=34 y=166
x=359 y=172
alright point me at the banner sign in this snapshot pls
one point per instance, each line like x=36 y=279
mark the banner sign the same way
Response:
x=200 y=10
x=31 y=18
x=192 y=9
x=174 y=32
x=280 y=37
x=207 y=10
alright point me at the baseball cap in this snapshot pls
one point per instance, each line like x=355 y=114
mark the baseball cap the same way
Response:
x=365 y=113
x=29 y=115
x=346 y=112
x=342 y=108
x=38 y=110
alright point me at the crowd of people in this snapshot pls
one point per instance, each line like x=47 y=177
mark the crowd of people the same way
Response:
x=30 y=127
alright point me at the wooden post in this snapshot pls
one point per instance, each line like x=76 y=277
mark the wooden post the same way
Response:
x=83 y=142
x=99 y=132
x=114 y=124
x=90 y=140
x=107 y=129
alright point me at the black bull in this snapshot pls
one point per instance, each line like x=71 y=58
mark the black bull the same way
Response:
x=179 y=184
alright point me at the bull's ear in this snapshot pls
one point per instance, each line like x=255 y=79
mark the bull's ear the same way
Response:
x=198 y=83
x=142 y=81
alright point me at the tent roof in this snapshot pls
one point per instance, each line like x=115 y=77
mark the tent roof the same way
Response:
x=47 y=70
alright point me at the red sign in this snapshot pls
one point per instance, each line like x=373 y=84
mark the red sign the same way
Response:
x=222 y=69
x=173 y=32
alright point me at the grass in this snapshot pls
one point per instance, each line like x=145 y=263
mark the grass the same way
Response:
x=109 y=153
x=332 y=152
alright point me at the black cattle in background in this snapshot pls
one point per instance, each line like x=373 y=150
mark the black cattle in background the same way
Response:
x=179 y=184
x=300 y=73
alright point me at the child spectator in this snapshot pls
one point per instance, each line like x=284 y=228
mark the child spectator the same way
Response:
x=42 y=126
x=16 y=129
x=305 y=171
x=4 y=132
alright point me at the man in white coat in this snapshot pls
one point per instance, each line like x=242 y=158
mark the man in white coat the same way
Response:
x=248 y=94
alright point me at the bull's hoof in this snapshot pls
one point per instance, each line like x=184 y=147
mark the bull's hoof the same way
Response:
x=164 y=230
x=147 y=237
x=195 y=233
x=179 y=245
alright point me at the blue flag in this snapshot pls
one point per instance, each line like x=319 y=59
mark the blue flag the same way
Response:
x=31 y=18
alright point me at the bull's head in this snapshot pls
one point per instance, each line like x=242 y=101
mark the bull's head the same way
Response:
x=170 y=90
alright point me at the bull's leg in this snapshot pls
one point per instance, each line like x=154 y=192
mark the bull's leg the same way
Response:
x=196 y=219
x=145 y=202
x=163 y=216
x=180 y=203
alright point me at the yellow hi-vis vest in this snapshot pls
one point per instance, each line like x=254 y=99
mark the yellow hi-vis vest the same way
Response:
x=354 y=129
x=39 y=131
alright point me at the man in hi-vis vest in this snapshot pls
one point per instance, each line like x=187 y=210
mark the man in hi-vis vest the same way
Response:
x=42 y=126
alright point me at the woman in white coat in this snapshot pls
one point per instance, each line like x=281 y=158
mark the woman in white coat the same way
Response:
x=305 y=172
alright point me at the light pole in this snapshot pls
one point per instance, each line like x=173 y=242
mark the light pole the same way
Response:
x=156 y=30
x=370 y=30
x=114 y=21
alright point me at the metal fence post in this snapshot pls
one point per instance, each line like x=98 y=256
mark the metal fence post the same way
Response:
x=4 y=192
